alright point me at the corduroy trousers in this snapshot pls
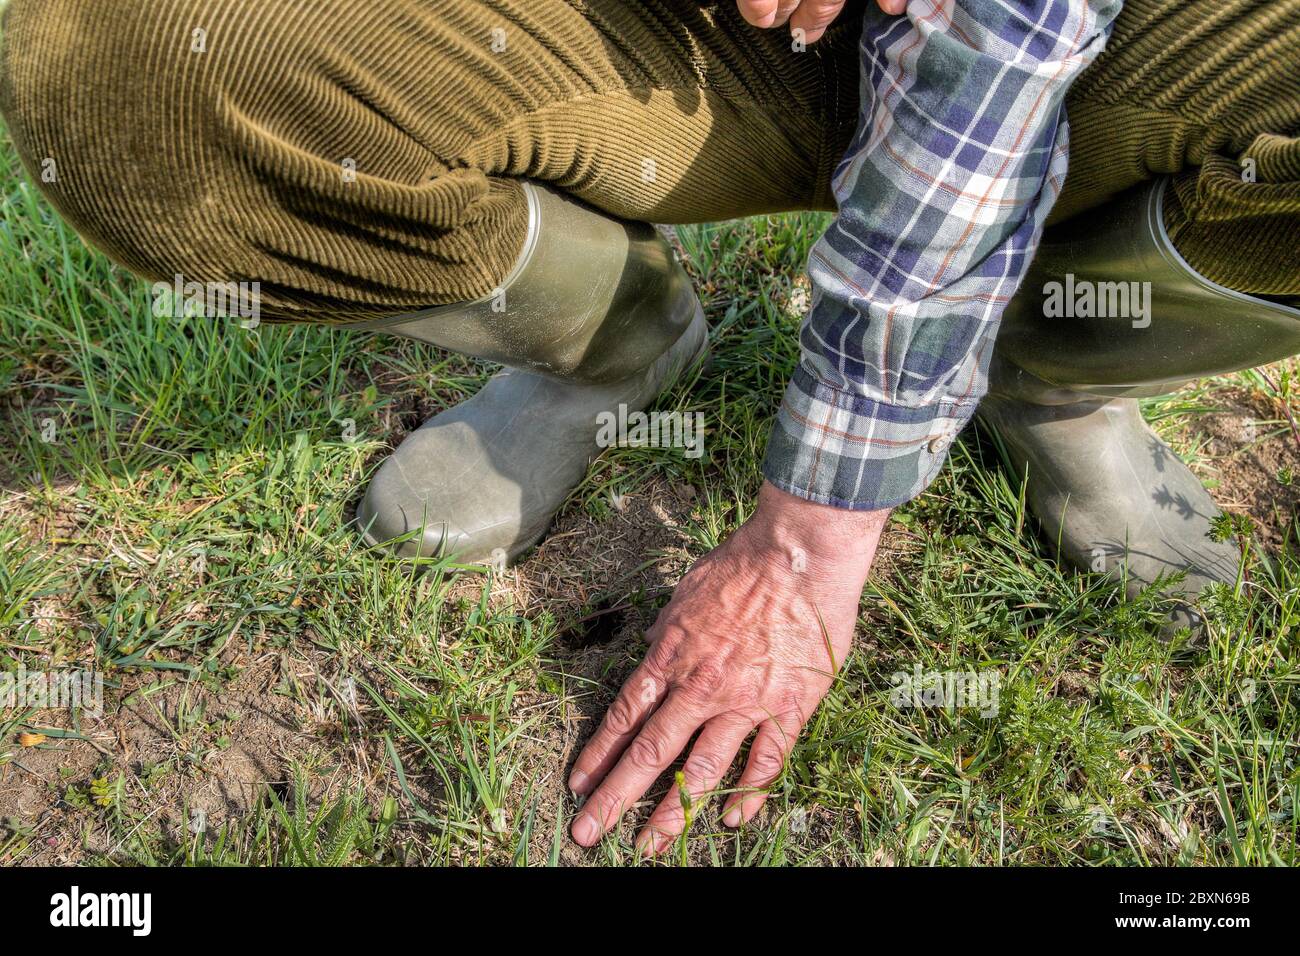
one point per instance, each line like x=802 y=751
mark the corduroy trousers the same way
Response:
x=362 y=158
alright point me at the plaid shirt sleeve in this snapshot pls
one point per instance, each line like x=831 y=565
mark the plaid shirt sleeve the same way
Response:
x=959 y=156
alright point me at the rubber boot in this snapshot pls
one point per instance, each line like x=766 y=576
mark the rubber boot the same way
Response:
x=596 y=314
x=1066 y=376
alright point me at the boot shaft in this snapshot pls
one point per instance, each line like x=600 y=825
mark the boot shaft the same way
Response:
x=590 y=300
x=1110 y=308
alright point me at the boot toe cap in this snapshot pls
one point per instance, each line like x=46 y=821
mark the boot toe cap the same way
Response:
x=432 y=512
x=399 y=522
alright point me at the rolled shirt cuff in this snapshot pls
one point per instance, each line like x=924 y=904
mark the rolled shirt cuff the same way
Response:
x=843 y=449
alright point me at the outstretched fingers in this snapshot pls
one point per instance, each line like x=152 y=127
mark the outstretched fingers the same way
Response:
x=636 y=701
x=711 y=757
x=664 y=736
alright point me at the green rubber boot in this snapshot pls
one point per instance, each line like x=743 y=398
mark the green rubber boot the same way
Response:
x=1108 y=313
x=597 y=314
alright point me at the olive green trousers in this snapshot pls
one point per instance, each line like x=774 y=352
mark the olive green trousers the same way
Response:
x=361 y=158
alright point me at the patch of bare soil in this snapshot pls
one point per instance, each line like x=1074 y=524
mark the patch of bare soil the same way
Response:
x=194 y=755
x=1252 y=449
x=202 y=753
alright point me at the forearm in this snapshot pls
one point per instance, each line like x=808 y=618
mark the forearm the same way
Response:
x=943 y=195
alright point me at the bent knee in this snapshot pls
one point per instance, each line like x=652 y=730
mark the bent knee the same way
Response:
x=136 y=119
x=105 y=108
x=250 y=140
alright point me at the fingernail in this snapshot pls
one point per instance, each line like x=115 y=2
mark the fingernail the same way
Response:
x=577 y=782
x=652 y=842
x=732 y=819
x=585 y=830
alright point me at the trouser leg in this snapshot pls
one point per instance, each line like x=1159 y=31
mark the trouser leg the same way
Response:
x=363 y=158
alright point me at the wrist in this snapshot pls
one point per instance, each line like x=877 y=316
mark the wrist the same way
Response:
x=821 y=537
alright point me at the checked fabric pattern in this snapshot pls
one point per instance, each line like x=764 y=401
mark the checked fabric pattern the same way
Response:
x=958 y=159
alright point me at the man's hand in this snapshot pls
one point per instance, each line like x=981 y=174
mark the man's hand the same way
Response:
x=811 y=16
x=751 y=639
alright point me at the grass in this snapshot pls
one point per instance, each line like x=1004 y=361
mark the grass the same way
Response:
x=175 y=498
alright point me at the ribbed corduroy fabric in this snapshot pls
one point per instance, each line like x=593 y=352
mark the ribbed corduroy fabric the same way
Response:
x=1209 y=91
x=361 y=158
